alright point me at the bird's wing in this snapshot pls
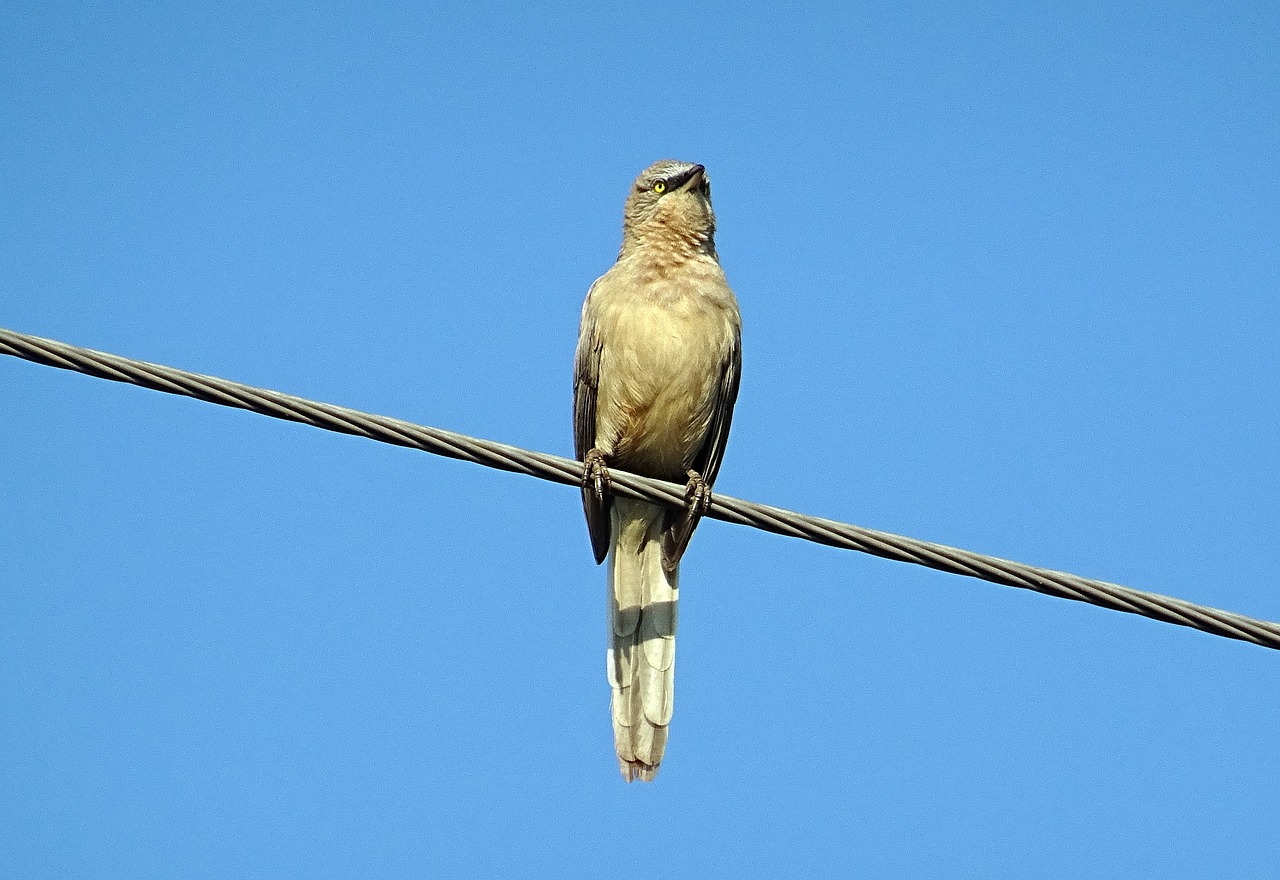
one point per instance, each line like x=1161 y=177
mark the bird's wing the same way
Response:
x=707 y=460
x=586 y=385
x=679 y=525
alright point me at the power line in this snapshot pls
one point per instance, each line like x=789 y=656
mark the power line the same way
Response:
x=569 y=472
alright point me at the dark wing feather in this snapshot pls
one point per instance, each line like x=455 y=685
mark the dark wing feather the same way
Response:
x=586 y=384
x=678 y=526
x=707 y=461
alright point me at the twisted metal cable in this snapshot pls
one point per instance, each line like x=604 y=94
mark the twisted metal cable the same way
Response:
x=569 y=472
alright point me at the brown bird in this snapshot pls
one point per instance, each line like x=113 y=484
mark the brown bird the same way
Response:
x=655 y=379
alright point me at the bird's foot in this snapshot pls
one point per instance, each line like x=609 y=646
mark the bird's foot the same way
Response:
x=697 y=499
x=697 y=495
x=595 y=476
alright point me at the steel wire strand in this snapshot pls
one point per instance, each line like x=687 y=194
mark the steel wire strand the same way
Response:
x=569 y=472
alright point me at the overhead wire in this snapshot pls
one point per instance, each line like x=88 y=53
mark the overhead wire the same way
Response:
x=569 y=472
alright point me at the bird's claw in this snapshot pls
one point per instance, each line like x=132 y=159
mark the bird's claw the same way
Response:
x=680 y=526
x=595 y=476
x=697 y=495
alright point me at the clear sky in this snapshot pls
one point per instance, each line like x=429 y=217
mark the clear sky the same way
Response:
x=1009 y=275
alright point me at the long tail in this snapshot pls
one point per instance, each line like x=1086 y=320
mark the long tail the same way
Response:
x=642 y=638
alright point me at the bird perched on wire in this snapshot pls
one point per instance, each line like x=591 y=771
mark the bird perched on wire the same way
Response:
x=655 y=379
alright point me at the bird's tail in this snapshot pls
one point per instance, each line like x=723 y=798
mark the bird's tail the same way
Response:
x=642 y=637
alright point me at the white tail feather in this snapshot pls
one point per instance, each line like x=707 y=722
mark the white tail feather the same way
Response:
x=642 y=638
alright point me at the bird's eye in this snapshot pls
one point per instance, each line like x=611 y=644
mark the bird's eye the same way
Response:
x=660 y=186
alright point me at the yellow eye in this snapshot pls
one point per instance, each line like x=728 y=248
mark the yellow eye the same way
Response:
x=660 y=187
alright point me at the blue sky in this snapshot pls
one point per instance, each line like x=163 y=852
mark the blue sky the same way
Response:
x=1009 y=277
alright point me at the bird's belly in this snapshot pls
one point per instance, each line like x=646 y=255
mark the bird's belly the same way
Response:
x=661 y=439
x=660 y=379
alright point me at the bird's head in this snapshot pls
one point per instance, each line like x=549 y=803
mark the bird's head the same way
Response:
x=670 y=206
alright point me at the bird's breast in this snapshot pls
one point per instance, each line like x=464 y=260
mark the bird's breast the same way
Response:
x=665 y=349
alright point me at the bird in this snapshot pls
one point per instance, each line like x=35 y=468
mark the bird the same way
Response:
x=656 y=374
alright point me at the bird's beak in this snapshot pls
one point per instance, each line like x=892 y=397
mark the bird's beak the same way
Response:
x=693 y=178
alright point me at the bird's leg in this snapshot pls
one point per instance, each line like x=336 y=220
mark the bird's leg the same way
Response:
x=597 y=498
x=595 y=476
x=680 y=526
x=697 y=494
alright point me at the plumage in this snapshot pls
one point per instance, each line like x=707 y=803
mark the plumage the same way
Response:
x=655 y=380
